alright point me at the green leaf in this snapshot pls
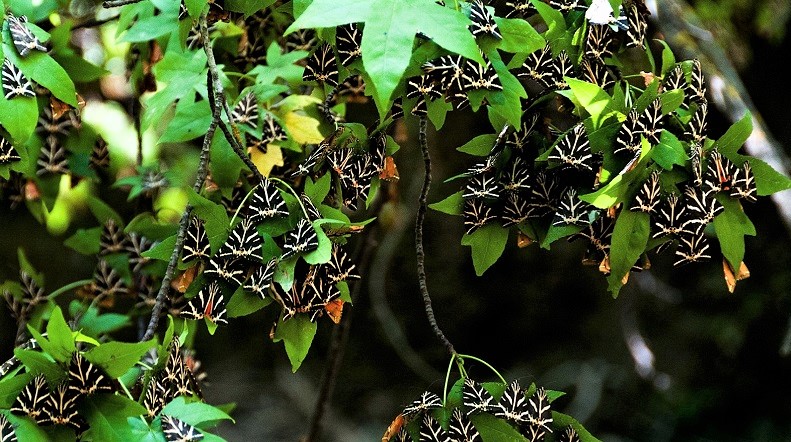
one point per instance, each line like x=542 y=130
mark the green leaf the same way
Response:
x=18 y=116
x=493 y=429
x=452 y=205
x=142 y=432
x=437 y=110
x=671 y=100
x=668 y=59
x=592 y=98
x=214 y=215
x=561 y=420
x=85 y=241
x=44 y=70
x=247 y=7
x=629 y=239
x=194 y=7
x=93 y=323
x=324 y=252
x=102 y=211
x=506 y=102
x=767 y=179
x=243 y=303
x=26 y=429
x=479 y=146
x=557 y=232
x=735 y=137
x=194 y=413
x=318 y=191
x=518 y=35
x=118 y=357
x=224 y=163
x=556 y=22
x=297 y=334
x=669 y=151
x=59 y=335
x=731 y=226
x=162 y=250
x=191 y=121
x=149 y=28
x=607 y=196
x=10 y=388
x=39 y=363
x=182 y=73
x=487 y=243
x=107 y=416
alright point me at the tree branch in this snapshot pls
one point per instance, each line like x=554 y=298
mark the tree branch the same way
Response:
x=117 y=3
x=421 y=257
x=203 y=170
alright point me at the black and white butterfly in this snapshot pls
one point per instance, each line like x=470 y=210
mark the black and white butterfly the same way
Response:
x=32 y=399
x=674 y=79
x=243 y=242
x=544 y=192
x=356 y=181
x=427 y=401
x=348 y=39
x=231 y=270
x=692 y=247
x=447 y=71
x=696 y=129
x=599 y=236
x=647 y=198
x=112 y=239
x=196 y=242
x=7 y=432
x=476 y=214
x=572 y=210
x=703 y=207
x=516 y=176
x=176 y=430
x=208 y=303
x=157 y=394
x=423 y=88
x=137 y=245
x=8 y=153
x=596 y=72
x=518 y=139
x=246 y=111
x=540 y=414
x=52 y=157
x=301 y=40
x=573 y=150
x=261 y=279
x=696 y=157
x=719 y=172
x=561 y=67
x=86 y=378
x=520 y=8
x=300 y=240
x=538 y=66
x=482 y=21
x=651 y=121
x=513 y=405
x=638 y=25
x=477 y=76
x=461 y=429
x=266 y=203
x=15 y=83
x=696 y=87
x=599 y=42
x=322 y=66
x=743 y=183
x=517 y=209
x=61 y=408
x=432 y=431
x=340 y=267
x=272 y=131
x=482 y=185
x=106 y=281
x=476 y=398
x=567 y=6
x=671 y=219
x=569 y=435
x=23 y=38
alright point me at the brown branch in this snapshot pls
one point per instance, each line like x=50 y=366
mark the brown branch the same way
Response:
x=203 y=170
x=419 y=253
x=117 y=3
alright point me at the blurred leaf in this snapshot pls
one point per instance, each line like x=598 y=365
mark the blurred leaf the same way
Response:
x=191 y=121
x=479 y=146
x=44 y=70
x=194 y=7
x=297 y=334
x=149 y=28
x=102 y=211
x=85 y=241
x=60 y=337
x=19 y=117
x=118 y=357
x=452 y=205
x=162 y=250
x=247 y=7
x=487 y=243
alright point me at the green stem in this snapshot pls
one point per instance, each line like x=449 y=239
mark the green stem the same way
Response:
x=68 y=287
x=236 y=213
x=126 y=390
x=447 y=379
x=486 y=364
x=293 y=192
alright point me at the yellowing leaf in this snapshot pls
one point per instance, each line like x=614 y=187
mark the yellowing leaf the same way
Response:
x=302 y=128
x=266 y=161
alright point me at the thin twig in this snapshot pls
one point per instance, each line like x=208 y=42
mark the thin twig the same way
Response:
x=199 y=180
x=421 y=257
x=117 y=3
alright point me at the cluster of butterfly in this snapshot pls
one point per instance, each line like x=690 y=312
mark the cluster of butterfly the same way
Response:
x=532 y=416
x=238 y=262
x=59 y=404
x=175 y=379
x=22 y=307
x=246 y=112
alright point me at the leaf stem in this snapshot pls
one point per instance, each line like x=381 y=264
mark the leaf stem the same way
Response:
x=447 y=379
x=68 y=287
x=293 y=192
x=486 y=364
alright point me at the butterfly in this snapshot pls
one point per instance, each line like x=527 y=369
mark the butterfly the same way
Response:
x=570 y=435
x=246 y=111
x=356 y=182
x=8 y=153
x=23 y=38
x=537 y=66
x=476 y=214
x=52 y=157
x=696 y=129
x=85 y=378
x=61 y=408
x=348 y=39
x=671 y=218
x=177 y=374
x=743 y=183
x=261 y=279
x=156 y=395
x=106 y=281
x=483 y=185
x=196 y=242
x=521 y=9
x=517 y=209
x=266 y=203
x=561 y=67
x=696 y=88
x=208 y=303
x=112 y=239
x=301 y=40
x=516 y=177
x=696 y=157
x=426 y=401
x=7 y=433
x=703 y=207
x=566 y=6
x=647 y=197
x=599 y=236
x=100 y=155
x=513 y=405
x=596 y=72
x=272 y=131
x=692 y=247
x=322 y=67
x=476 y=398
x=539 y=415
x=573 y=150
x=447 y=71
x=599 y=42
x=300 y=240
x=176 y=430
x=635 y=34
x=719 y=173
x=253 y=48
x=478 y=76
x=340 y=267
x=243 y=242
x=544 y=192
x=422 y=87
x=32 y=399
x=674 y=79
x=228 y=269
x=651 y=121
x=482 y=21
x=432 y=431
x=572 y=210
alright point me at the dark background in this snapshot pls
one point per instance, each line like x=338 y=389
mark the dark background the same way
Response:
x=718 y=371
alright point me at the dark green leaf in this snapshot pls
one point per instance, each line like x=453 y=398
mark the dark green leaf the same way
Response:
x=243 y=303
x=224 y=163
x=85 y=241
x=557 y=232
x=731 y=226
x=194 y=413
x=107 y=416
x=191 y=121
x=59 y=335
x=162 y=250
x=669 y=151
x=297 y=334
x=26 y=429
x=324 y=252
x=493 y=429
x=767 y=179
x=214 y=215
x=102 y=211
x=19 y=117
x=452 y=205
x=561 y=420
x=479 y=146
x=10 y=388
x=118 y=357
x=629 y=239
x=39 y=363
x=149 y=28
x=318 y=191
x=45 y=71
x=487 y=243
x=437 y=110
x=736 y=135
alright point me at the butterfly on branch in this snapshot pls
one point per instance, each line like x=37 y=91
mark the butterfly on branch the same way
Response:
x=483 y=21
x=208 y=303
x=703 y=207
x=477 y=76
x=348 y=39
x=246 y=111
x=696 y=87
x=23 y=38
x=322 y=67
x=8 y=154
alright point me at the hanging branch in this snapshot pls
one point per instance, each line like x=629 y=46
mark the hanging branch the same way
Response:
x=421 y=257
x=203 y=170
x=117 y=3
